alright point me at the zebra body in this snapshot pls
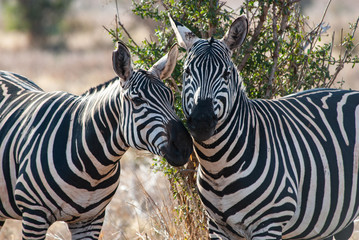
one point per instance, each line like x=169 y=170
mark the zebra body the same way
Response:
x=269 y=169
x=60 y=152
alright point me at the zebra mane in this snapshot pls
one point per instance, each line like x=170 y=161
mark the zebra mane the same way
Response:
x=99 y=87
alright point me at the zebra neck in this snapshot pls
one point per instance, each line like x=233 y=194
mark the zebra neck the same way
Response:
x=98 y=126
x=231 y=139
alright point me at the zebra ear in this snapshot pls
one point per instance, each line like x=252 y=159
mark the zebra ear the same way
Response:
x=185 y=37
x=164 y=67
x=236 y=34
x=121 y=62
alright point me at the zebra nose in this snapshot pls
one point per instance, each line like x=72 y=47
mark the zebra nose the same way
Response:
x=212 y=119
x=202 y=121
x=180 y=145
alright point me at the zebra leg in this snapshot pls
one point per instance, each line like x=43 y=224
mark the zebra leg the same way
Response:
x=215 y=233
x=345 y=233
x=34 y=225
x=87 y=230
x=2 y=222
x=272 y=231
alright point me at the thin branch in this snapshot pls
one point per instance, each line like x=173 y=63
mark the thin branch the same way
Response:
x=343 y=60
x=312 y=39
x=211 y=26
x=341 y=44
x=174 y=85
x=117 y=8
x=278 y=40
x=165 y=6
x=255 y=36
x=313 y=35
x=286 y=59
x=294 y=1
x=170 y=39
x=169 y=43
x=332 y=62
x=331 y=49
x=125 y=30
x=325 y=12
x=275 y=53
x=355 y=28
x=247 y=12
x=108 y=31
x=188 y=171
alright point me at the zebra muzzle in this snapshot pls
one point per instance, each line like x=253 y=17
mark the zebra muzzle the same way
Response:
x=202 y=121
x=180 y=145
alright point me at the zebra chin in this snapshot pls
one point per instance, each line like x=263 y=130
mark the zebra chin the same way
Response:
x=202 y=134
x=179 y=146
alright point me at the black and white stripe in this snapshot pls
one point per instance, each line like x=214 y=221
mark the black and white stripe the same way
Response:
x=269 y=169
x=59 y=153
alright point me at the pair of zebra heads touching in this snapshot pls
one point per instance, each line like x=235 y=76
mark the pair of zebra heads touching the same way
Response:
x=269 y=169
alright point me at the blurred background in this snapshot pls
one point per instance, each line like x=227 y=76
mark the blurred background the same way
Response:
x=69 y=50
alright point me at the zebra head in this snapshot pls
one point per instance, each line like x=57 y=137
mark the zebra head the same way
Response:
x=210 y=79
x=150 y=122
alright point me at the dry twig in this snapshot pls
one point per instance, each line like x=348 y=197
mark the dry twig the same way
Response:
x=255 y=36
x=347 y=53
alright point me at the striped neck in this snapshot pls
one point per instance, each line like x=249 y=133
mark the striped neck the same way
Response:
x=99 y=113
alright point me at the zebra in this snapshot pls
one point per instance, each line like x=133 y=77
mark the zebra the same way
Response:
x=269 y=169
x=60 y=152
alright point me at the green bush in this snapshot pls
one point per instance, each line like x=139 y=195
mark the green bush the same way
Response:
x=279 y=57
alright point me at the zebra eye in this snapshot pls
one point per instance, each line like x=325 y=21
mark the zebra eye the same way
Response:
x=188 y=72
x=138 y=101
x=226 y=74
